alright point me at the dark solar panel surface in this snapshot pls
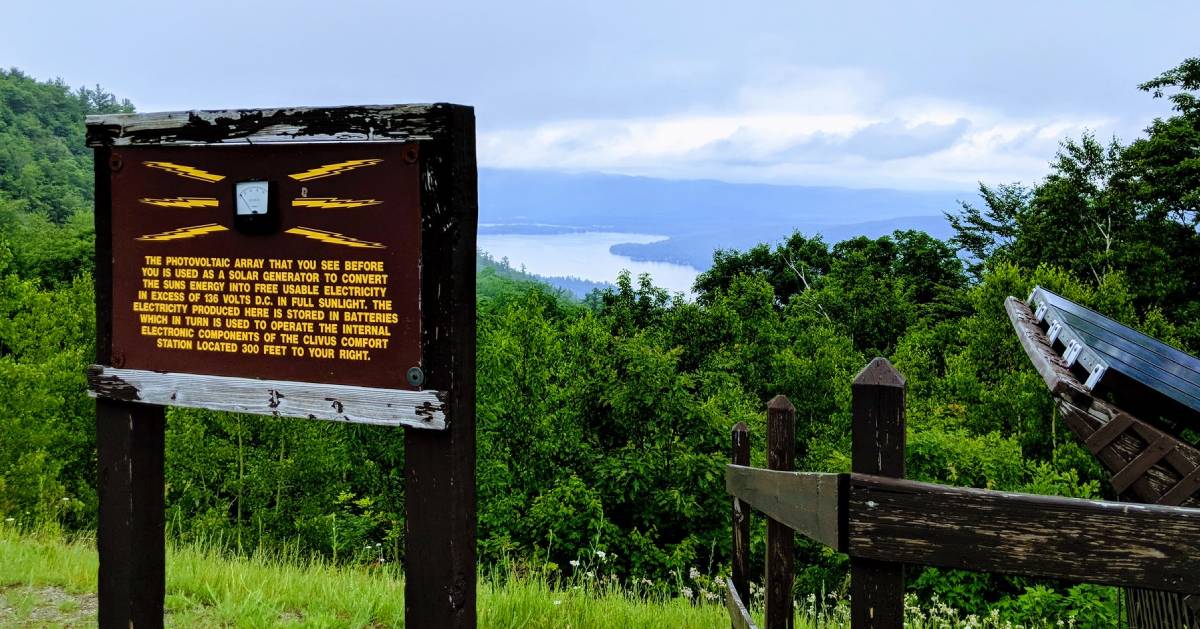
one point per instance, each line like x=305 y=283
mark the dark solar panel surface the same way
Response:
x=1141 y=358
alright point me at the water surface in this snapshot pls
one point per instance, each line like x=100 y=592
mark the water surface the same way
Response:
x=585 y=255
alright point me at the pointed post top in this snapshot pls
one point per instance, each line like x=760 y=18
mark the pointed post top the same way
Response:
x=780 y=403
x=879 y=373
x=740 y=427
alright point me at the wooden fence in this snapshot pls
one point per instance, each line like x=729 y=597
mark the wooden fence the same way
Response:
x=883 y=521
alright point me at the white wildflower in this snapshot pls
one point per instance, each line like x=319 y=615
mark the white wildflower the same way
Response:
x=574 y=563
x=687 y=591
x=600 y=554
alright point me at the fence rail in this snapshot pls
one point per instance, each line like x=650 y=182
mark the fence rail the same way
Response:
x=883 y=521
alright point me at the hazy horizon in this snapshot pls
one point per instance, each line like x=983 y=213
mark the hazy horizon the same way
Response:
x=874 y=94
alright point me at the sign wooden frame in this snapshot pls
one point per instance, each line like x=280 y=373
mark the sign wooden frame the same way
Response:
x=439 y=413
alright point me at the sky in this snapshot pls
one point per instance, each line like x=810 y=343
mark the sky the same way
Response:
x=912 y=95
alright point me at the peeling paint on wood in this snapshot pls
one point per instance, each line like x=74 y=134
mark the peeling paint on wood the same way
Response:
x=359 y=405
x=370 y=123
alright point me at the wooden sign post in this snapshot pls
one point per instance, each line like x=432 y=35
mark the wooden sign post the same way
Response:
x=312 y=263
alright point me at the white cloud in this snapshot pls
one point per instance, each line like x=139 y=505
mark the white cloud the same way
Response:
x=833 y=127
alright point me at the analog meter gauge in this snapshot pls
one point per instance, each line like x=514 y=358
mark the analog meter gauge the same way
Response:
x=254 y=207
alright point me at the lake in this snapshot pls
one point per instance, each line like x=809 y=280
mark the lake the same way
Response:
x=585 y=255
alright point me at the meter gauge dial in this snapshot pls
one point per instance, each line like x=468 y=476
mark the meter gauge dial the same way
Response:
x=255 y=210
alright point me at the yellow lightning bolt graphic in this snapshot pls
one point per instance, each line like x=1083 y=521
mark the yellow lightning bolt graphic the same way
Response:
x=334 y=238
x=332 y=202
x=182 y=202
x=329 y=170
x=185 y=232
x=186 y=171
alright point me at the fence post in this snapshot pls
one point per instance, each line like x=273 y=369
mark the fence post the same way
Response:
x=130 y=538
x=877 y=587
x=781 y=455
x=741 y=519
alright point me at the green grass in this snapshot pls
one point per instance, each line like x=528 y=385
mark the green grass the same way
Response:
x=46 y=581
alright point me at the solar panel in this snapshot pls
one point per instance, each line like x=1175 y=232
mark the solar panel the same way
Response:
x=1108 y=350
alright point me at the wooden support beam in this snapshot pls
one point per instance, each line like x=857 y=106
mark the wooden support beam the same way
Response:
x=805 y=501
x=1123 y=544
x=130 y=538
x=739 y=615
x=1119 y=451
x=309 y=400
x=1149 y=457
x=877 y=447
x=439 y=487
x=1182 y=490
x=1053 y=370
x=781 y=540
x=1107 y=433
x=130 y=445
x=741 y=517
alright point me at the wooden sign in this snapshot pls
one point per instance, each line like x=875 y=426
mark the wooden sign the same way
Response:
x=274 y=266
x=313 y=263
x=329 y=291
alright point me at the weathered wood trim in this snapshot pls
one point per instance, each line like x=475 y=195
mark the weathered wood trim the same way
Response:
x=440 y=521
x=739 y=616
x=740 y=516
x=359 y=405
x=1037 y=346
x=805 y=501
x=370 y=123
x=1184 y=489
x=1155 y=452
x=781 y=538
x=1123 y=544
x=1149 y=609
x=130 y=536
x=103 y=261
x=1132 y=440
x=877 y=446
x=1108 y=433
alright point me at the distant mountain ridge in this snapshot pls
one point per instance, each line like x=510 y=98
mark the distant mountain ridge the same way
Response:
x=696 y=248
x=699 y=216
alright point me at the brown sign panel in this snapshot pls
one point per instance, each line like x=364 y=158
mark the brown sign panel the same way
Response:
x=281 y=261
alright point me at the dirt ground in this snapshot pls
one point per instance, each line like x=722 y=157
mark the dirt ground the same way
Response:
x=46 y=606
